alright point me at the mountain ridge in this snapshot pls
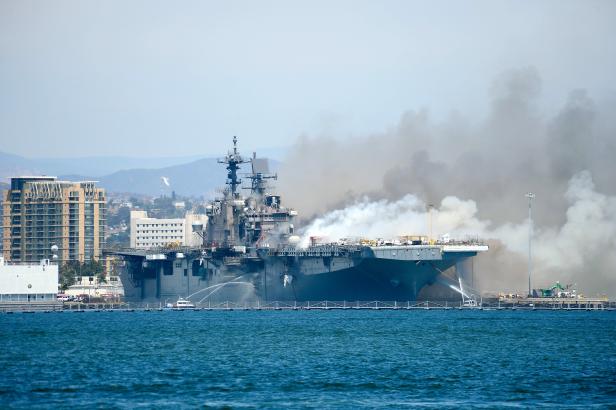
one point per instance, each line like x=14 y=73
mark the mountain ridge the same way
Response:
x=200 y=176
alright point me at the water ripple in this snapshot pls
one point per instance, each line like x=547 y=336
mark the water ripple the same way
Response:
x=309 y=359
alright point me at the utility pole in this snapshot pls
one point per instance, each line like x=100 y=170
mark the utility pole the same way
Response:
x=530 y=197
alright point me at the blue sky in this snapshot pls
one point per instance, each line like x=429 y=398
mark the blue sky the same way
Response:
x=152 y=78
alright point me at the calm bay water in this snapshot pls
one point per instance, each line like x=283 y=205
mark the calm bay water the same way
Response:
x=314 y=359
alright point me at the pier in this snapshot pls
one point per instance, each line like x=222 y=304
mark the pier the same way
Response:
x=521 y=304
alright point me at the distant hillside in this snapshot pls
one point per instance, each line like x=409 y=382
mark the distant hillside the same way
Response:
x=97 y=167
x=186 y=176
x=195 y=178
x=11 y=165
x=14 y=165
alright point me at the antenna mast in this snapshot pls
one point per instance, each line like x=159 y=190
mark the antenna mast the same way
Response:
x=233 y=161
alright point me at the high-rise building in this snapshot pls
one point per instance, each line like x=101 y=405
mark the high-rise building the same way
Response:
x=40 y=212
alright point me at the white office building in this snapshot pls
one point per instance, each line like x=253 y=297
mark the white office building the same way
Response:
x=146 y=233
x=28 y=282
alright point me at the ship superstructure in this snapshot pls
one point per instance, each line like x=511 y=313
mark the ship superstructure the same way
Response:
x=250 y=251
x=236 y=221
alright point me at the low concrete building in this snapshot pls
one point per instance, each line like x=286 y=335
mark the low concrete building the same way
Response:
x=111 y=289
x=147 y=233
x=21 y=282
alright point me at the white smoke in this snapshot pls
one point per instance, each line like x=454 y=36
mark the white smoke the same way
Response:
x=582 y=250
x=389 y=219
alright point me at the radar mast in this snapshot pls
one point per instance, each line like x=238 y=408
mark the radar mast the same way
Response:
x=233 y=159
x=259 y=176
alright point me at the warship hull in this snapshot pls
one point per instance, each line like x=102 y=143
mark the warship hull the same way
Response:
x=370 y=280
x=366 y=274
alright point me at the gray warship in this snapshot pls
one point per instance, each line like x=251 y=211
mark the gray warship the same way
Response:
x=250 y=251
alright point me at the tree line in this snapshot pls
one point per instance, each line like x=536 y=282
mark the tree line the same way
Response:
x=71 y=270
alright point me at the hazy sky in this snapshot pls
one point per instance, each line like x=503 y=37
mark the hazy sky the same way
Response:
x=148 y=78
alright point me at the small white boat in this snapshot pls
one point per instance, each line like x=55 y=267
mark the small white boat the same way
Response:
x=183 y=304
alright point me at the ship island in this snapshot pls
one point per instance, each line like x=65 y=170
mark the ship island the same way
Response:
x=250 y=250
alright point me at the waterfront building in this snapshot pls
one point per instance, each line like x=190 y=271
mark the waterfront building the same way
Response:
x=147 y=233
x=22 y=282
x=41 y=211
x=110 y=288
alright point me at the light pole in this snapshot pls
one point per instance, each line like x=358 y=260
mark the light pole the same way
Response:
x=530 y=197
x=430 y=207
x=54 y=259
